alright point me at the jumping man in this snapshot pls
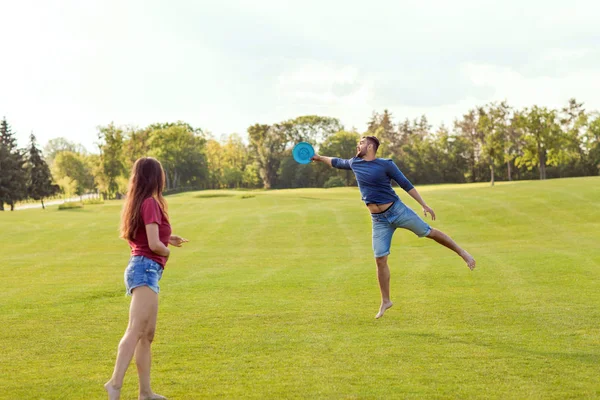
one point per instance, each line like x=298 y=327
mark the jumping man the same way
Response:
x=374 y=176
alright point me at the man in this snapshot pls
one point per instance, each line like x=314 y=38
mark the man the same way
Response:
x=374 y=176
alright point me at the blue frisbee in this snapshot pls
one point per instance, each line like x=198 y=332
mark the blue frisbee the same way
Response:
x=303 y=152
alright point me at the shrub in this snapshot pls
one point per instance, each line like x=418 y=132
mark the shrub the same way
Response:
x=70 y=206
x=334 y=181
x=93 y=201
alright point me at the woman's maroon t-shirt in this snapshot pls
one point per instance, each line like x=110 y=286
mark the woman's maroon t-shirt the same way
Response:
x=151 y=213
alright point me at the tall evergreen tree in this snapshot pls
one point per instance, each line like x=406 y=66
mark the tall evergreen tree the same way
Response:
x=6 y=135
x=382 y=126
x=4 y=175
x=468 y=128
x=374 y=122
x=13 y=185
x=39 y=183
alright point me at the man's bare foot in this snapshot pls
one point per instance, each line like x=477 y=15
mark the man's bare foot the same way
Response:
x=113 y=392
x=469 y=260
x=152 y=396
x=384 y=306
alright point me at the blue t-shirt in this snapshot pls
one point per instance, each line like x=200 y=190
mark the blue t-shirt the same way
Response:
x=375 y=178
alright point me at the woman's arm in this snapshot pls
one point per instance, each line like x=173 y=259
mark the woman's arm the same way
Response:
x=154 y=242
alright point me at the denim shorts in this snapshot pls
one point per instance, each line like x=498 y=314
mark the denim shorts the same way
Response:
x=142 y=271
x=385 y=223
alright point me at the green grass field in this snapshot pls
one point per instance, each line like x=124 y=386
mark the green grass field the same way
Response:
x=274 y=297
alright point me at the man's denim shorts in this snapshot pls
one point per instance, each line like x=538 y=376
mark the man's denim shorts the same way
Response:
x=142 y=271
x=385 y=223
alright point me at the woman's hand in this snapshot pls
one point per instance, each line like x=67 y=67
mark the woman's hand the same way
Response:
x=177 y=241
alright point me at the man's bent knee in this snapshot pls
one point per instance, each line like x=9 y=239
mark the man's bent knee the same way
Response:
x=432 y=233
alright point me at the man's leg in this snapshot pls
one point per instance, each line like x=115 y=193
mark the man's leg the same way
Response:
x=445 y=240
x=383 y=276
x=383 y=232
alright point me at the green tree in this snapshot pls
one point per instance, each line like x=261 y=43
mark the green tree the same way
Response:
x=493 y=125
x=4 y=175
x=294 y=175
x=214 y=161
x=13 y=174
x=39 y=183
x=382 y=126
x=268 y=144
x=418 y=160
x=251 y=177
x=68 y=186
x=468 y=129
x=76 y=167
x=111 y=159
x=573 y=154
x=591 y=143
x=412 y=135
x=513 y=144
x=56 y=145
x=542 y=139
x=236 y=159
x=448 y=150
x=309 y=128
x=342 y=144
x=136 y=145
x=180 y=149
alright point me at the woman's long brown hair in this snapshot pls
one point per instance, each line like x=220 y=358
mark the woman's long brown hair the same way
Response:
x=147 y=180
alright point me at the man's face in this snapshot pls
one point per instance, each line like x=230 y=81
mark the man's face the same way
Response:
x=361 y=148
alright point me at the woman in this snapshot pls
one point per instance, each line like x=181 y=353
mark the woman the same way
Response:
x=145 y=225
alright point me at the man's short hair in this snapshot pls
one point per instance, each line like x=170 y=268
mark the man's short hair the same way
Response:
x=374 y=141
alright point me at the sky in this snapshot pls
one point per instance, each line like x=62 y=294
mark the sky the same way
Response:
x=67 y=67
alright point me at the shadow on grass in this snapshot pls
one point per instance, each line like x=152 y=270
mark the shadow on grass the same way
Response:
x=314 y=198
x=72 y=210
x=588 y=358
x=91 y=296
x=213 y=195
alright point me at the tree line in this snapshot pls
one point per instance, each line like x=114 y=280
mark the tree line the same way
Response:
x=488 y=143
x=23 y=172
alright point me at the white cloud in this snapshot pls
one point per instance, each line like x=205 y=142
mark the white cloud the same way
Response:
x=323 y=83
x=546 y=90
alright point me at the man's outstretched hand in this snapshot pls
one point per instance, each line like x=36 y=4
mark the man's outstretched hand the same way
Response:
x=427 y=209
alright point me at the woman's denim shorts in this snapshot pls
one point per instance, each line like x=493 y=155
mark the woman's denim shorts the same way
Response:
x=385 y=223
x=142 y=271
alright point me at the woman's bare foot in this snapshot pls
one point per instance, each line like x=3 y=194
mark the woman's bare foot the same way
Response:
x=113 y=392
x=152 y=396
x=384 y=306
